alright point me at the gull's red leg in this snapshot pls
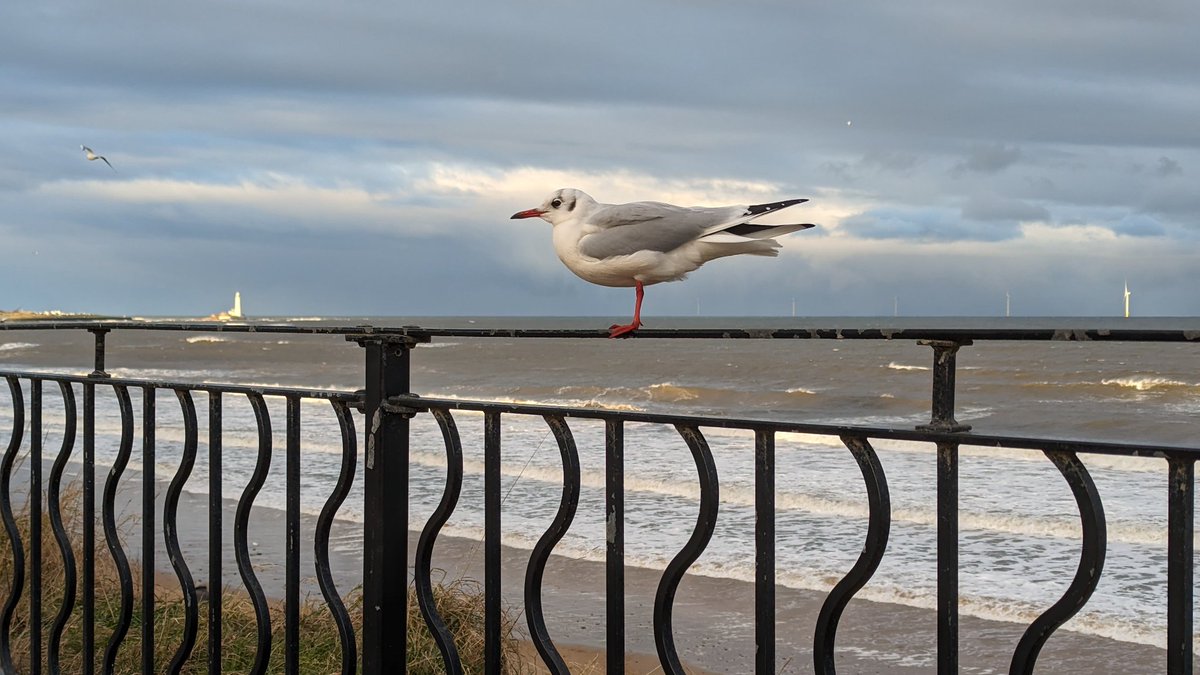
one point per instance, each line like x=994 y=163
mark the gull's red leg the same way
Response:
x=619 y=330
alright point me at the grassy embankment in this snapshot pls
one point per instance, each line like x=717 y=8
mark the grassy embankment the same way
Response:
x=460 y=604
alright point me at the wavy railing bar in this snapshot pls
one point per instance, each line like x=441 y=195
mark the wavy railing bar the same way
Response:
x=1087 y=574
x=171 y=532
x=54 y=505
x=16 y=436
x=111 y=536
x=321 y=538
x=423 y=558
x=241 y=548
x=568 y=502
x=1055 y=333
x=878 y=525
x=706 y=523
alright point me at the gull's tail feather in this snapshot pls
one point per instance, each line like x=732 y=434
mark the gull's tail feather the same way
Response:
x=756 y=231
x=760 y=209
x=720 y=247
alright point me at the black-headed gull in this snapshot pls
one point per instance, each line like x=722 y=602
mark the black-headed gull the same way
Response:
x=91 y=156
x=643 y=243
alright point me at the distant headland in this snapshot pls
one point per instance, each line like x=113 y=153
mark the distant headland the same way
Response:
x=54 y=314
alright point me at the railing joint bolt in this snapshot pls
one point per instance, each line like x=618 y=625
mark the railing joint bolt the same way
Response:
x=392 y=407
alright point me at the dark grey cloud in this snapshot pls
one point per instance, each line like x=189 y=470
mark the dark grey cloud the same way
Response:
x=1168 y=167
x=996 y=208
x=988 y=159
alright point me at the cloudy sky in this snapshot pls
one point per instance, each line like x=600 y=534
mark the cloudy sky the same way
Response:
x=363 y=158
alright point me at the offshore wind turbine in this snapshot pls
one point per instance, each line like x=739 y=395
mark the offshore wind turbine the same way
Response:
x=1127 y=294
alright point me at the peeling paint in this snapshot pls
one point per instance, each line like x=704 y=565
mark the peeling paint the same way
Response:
x=376 y=420
x=610 y=527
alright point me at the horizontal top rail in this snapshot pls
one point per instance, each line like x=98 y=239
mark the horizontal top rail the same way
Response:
x=136 y=383
x=411 y=403
x=960 y=335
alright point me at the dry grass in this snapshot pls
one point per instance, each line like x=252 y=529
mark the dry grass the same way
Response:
x=460 y=603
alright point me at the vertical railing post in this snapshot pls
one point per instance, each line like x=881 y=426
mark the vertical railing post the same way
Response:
x=385 y=506
x=89 y=502
x=614 y=520
x=764 y=551
x=1180 y=550
x=492 y=501
x=945 y=356
x=35 y=526
x=98 y=369
x=942 y=419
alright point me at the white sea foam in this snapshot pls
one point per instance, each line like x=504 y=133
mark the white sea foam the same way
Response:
x=668 y=391
x=571 y=403
x=1146 y=383
x=13 y=346
x=206 y=339
x=900 y=366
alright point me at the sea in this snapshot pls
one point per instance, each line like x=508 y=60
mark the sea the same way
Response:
x=1019 y=525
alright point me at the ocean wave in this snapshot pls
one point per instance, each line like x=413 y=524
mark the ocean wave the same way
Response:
x=1068 y=528
x=1147 y=383
x=900 y=366
x=1127 y=384
x=672 y=393
x=436 y=345
x=13 y=346
x=570 y=403
x=206 y=339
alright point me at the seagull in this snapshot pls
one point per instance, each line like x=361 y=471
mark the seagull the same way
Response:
x=643 y=243
x=93 y=156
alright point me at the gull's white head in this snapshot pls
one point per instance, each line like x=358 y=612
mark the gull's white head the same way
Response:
x=561 y=206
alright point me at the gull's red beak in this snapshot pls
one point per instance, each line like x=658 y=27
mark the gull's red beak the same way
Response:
x=528 y=213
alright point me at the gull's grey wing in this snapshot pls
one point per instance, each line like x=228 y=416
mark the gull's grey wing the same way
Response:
x=625 y=229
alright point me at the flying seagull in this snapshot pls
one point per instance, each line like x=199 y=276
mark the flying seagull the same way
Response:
x=93 y=156
x=643 y=243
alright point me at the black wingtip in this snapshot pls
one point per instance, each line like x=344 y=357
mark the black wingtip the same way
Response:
x=759 y=209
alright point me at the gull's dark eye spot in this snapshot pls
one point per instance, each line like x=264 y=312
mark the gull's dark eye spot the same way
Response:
x=556 y=203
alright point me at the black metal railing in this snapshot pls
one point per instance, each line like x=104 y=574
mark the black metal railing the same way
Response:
x=389 y=405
